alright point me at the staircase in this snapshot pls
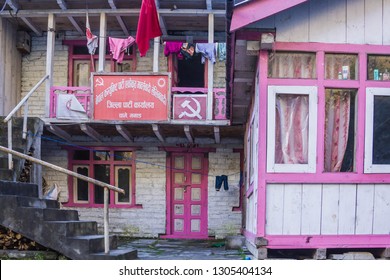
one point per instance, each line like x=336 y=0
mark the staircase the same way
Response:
x=61 y=230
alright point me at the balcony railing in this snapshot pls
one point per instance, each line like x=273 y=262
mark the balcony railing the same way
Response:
x=187 y=103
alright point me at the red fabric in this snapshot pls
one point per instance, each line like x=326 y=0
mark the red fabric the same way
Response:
x=148 y=26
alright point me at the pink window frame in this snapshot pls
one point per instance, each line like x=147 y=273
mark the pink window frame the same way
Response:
x=72 y=57
x=112 y=163
x=356 y=177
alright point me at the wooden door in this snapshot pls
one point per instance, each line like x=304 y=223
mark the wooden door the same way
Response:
x=188 y=202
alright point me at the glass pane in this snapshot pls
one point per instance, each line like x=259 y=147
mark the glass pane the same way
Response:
x=179 y=178
x=196 y=178
x=102 y=173
x=179 y=209
x=179 y=225
x=378 y=67
x=195 y=210
x=195 y=194
x=292 y=129
x=179 y=193
x=341 y=66
x=82 y=190
x=123 y=155
x=381 y=128
x=81 y=73
x=339 y=130
x=123 y=179
x=195 y=225
x=81 y=155
x=196 y=162
x=179 y=162
x=292 y=65
x=101 y=155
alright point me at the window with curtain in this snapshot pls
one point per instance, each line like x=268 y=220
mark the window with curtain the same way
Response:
x=341 y=66
x=292 y=117
x=297 y=65
x=339 y=139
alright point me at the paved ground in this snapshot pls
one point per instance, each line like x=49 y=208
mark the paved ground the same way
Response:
x=168 y=249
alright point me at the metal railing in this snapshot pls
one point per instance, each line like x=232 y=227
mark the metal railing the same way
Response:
x=7 y=119
x=106 y=187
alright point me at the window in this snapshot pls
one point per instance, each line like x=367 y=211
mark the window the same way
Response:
x=339 y=139
x=341 y=66
x=292 y=65
x=378 y=67
x=291 y=129
x=81 y=64
x=377 y=138
x=112 y=166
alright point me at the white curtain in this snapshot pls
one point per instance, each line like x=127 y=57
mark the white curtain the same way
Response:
x=292 y=129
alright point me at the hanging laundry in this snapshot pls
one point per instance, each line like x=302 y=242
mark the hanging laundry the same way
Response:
x=119 y=46
x=187 y=50
x=92 y=40
x=173 y=48
x=221 y=51
x=207 y=50
x=148 y=26
x=221 y=180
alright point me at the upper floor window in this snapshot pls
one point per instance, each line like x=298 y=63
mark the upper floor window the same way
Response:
x=341 y=66
x=112 y=166
x=297 y=65
x=82 y=64
x=378 y=67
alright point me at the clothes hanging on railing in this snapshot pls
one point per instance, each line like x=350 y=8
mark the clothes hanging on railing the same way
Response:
x=119 y=46
x=221 y=51
x=173 y=48
x=207 y=50
x=92 y=40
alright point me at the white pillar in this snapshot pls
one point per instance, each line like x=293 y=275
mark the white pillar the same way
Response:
x=102 y=41
x=51 y=37
x=210 y=72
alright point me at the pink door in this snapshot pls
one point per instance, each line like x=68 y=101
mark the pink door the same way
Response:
x=188 y=196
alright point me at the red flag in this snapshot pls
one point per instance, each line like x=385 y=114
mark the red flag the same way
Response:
x=148 y=26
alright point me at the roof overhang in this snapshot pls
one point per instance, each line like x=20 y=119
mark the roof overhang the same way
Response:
x=259 y=9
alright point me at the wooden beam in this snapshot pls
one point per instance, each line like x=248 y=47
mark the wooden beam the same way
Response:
x=209 y=4
x=157 y=132
x=188 y=133
x=210 y=73
x=124 y=132
x=32 y=26
x=13 y=5
x=59 y=132
x=217 y=135
x=91 y=132
x=118 y=18
x=64 y=7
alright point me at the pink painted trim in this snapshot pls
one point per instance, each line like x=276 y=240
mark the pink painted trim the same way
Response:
x=250 y=236
x=257 y=10
x=327 y=241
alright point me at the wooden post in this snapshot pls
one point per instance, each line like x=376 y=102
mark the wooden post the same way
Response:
x=106 y=236
x=156 y=50
x=49 y=60
x=210 y=72
x=102 y=42
x=10 y=162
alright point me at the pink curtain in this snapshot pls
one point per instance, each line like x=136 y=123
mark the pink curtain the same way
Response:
x=337 y=110
x=292 y=128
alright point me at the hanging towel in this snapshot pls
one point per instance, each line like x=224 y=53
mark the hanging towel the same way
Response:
x=173 y=47
x=207 y=50
x=148 y=26
x=221 y=51
x=119 y=46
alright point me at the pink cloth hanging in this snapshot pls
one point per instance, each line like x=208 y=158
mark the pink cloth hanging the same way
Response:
x=119 y=46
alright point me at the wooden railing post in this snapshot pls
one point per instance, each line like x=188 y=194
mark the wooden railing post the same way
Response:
x=106 y=237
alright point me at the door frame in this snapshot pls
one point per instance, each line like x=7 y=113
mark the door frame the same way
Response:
x=168 y=225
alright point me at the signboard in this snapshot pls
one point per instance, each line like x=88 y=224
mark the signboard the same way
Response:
x=189 y=106
x=132 y=96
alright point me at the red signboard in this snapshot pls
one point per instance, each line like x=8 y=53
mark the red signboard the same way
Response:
x=131 y=97
x=189 y=106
